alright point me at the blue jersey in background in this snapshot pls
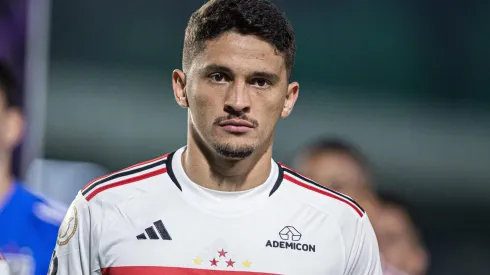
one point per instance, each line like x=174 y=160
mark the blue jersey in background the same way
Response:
x=28 y=230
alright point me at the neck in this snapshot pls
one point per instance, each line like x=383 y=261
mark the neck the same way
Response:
x=5 y=177
x=206 y=168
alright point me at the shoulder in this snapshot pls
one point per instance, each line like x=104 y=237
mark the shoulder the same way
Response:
x=326 y=200
x=126 y=183
x=97 y=202
x=43 y=209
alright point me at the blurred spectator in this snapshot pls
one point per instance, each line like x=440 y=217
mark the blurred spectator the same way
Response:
x=340 y=166
x=50 y=176
x=28 y=222
x=398 y=238
x=4 y=268
x=336 y=164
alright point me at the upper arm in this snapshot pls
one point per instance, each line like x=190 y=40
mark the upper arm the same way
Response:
x=74 y=253
x=364 y=256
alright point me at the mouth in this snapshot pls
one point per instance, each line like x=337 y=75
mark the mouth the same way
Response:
x=236 y=126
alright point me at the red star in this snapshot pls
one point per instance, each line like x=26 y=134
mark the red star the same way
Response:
x=214 y=262
x=222 y=253
x=230 y=263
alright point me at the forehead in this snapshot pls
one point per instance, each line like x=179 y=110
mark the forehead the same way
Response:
x=242 y=53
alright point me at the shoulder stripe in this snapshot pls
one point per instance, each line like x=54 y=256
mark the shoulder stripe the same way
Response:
x=293 y=180
x=126 y=181
x=124 y=172
x=291 y=171
x=305 y=182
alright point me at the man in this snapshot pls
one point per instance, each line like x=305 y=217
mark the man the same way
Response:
x=220 y=205
x=28 y=222
x=336 y=164
x=399 y=240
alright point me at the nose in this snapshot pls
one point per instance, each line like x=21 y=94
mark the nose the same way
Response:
x=238 y=99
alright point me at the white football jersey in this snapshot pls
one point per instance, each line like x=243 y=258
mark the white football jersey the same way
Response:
x=152 y=219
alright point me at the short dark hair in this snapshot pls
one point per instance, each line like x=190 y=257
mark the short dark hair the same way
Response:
x=8 y=84
x=337 y=145
x=248 y=17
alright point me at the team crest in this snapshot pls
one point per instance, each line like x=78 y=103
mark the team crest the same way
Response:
x=68 y=227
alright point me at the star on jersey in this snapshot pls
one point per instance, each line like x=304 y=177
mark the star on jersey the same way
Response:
x=230 y=262
x=226 y=262
x=247 y=264
x=214 y=262
x=222 y=253
x=197 y=260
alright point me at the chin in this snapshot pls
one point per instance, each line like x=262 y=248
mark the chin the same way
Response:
x=234 y=151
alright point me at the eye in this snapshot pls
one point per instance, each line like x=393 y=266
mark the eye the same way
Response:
x=217 y=77
x=261 y=82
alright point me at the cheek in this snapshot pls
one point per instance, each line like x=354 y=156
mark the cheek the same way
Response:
x=278 y=105
x=200 y=103
x=270 y=114
x=272 y=110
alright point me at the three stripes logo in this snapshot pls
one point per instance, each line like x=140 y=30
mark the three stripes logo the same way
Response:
x=152 y=234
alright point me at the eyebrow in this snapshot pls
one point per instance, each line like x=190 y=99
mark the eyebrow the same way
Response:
x=274 y=78
x=220 y=68
x=216 y=68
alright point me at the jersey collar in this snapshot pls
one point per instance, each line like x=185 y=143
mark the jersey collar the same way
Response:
x=222 y=203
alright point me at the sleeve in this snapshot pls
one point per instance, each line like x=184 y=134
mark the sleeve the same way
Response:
x=364 y=256
x=74 y=252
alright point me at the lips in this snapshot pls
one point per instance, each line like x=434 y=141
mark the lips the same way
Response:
x=236 y=126
x=236 y=122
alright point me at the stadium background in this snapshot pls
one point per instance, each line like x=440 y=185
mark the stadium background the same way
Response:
x=407 y=81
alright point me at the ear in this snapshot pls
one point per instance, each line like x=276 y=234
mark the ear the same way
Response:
x=178 y=84
x=14 y=127
x=291 y=97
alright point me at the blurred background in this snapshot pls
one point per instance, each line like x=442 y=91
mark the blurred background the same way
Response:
x=408 y=82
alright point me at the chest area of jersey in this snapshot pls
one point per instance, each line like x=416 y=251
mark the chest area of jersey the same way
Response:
x=271 y=241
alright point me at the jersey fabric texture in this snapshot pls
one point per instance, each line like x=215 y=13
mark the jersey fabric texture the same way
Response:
x=28 y=228
x=152 y=219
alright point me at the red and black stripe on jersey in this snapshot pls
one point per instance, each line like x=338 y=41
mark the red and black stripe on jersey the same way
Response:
x=291 y=175
x=108 y=181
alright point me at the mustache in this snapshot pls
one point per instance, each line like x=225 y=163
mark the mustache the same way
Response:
x=254 y=122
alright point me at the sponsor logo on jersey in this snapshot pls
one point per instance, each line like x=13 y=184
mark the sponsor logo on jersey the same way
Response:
x=152 y=234
x=290 y=237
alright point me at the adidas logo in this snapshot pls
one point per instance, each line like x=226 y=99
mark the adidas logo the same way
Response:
x=152 y=234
